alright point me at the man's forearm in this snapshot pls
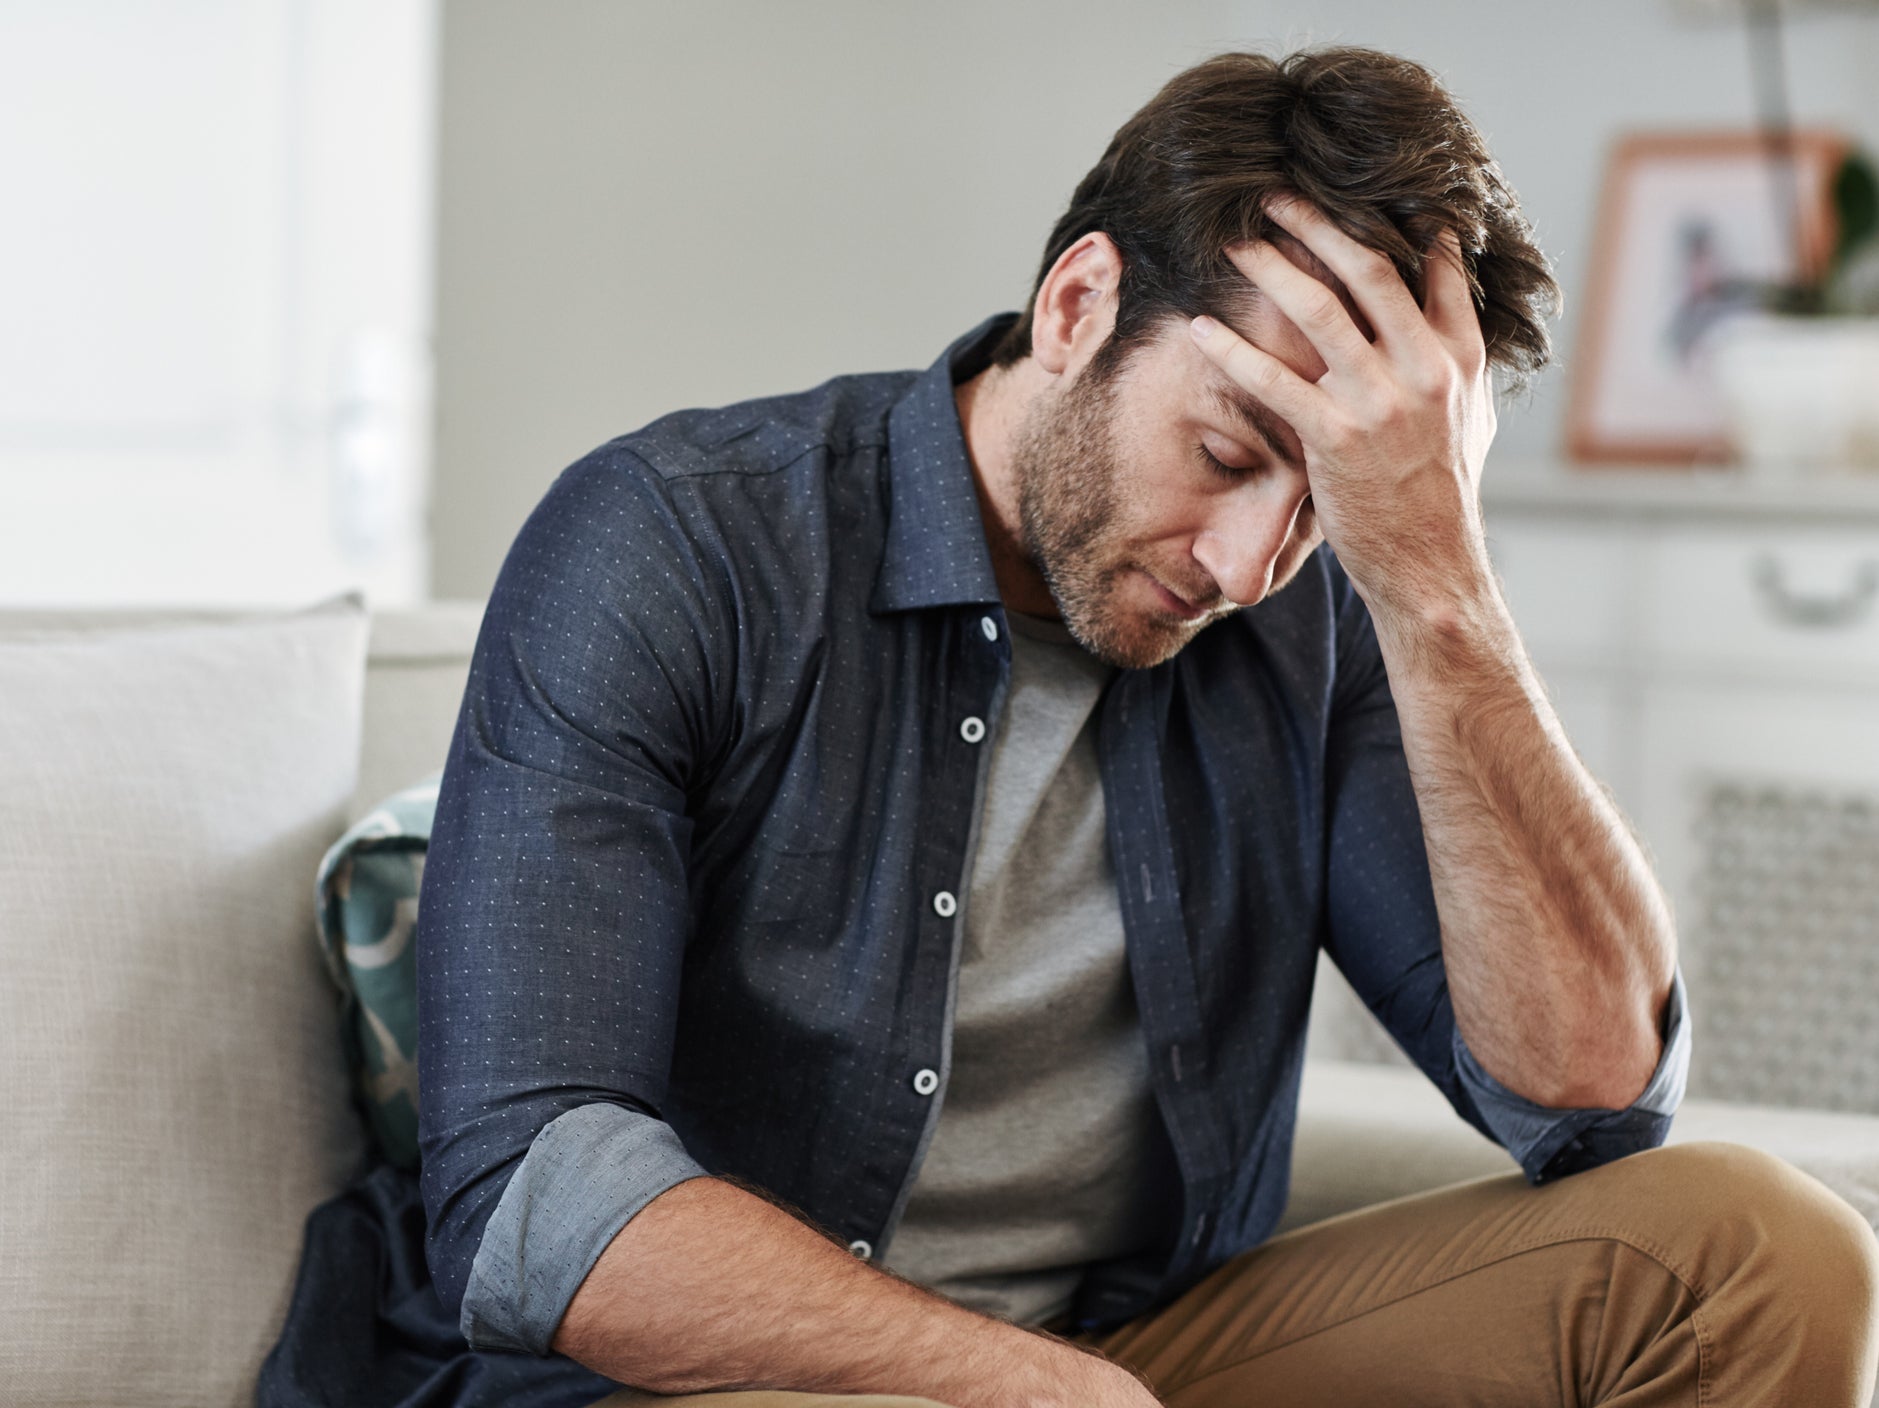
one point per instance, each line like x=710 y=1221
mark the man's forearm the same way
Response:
x=1556 y=938
x=1555 y=934
x=711 y=1288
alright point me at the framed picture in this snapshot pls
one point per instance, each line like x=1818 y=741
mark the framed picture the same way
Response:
x=1694 y=229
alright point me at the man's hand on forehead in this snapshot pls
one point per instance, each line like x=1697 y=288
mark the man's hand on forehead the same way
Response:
x=1300 y=256
x=1396 y=430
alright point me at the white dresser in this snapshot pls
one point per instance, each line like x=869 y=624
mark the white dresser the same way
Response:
x=1712 y=645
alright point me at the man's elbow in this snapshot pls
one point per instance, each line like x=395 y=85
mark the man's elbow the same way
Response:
x=1608 y=1057
x=1607 y=1067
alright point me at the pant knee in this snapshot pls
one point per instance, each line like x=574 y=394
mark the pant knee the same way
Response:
x=1733 y=1210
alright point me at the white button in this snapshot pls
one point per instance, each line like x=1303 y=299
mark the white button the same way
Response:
x=861 y=1249
x=989 y=626
x=925 y=1081
x=972 y=730
x=944 y=905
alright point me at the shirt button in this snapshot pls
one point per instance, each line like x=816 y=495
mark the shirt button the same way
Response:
x=944 y=905
x=925 y=1081
x=1200 y=1228
x=862 y=1249
x=989 y=626
x=972 y=730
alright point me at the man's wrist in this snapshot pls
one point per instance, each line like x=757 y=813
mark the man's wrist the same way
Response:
x=1058 y=1373
x=1447 y=628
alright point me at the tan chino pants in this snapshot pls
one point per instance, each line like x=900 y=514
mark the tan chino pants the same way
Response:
x=1698 y=1274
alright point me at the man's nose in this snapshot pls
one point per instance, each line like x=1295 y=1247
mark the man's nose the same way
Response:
x=1241 y=544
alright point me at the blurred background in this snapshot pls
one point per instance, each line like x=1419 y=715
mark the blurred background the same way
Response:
x=305 y=295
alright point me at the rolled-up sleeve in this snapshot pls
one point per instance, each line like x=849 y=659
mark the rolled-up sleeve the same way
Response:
x=583 y=1179
x=1550 y=1142
x=555 y=906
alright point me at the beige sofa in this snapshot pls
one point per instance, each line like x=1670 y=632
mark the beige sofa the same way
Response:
x=170 y=1064
x=172 y=1077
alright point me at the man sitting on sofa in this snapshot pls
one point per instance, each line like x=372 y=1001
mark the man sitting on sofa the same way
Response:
x=879 y=871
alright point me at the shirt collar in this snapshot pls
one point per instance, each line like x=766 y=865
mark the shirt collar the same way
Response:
x=936 y=553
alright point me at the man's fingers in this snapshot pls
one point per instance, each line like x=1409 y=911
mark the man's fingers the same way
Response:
x=1296 y=401
x=1450 y=299
x=1375 y=286
x=1309 y=303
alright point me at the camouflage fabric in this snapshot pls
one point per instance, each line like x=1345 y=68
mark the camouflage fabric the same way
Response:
x=367 y=898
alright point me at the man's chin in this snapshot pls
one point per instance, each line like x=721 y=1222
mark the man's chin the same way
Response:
x=1136 y=644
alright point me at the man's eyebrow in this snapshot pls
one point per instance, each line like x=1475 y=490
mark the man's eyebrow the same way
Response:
x=1244 y=410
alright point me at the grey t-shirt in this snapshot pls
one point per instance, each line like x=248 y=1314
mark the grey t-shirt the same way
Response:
x=1038 y=1164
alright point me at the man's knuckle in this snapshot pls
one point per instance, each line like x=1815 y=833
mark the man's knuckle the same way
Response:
x=1390 y=414
x=1322 y=306
x=1438 y=383
x=1373 y=265
x=1252 y=367
x=1343 y=433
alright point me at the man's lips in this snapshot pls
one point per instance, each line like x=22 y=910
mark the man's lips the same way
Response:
x=1176 y=605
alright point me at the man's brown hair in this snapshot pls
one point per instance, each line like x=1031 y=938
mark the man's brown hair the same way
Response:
x=1372 y=139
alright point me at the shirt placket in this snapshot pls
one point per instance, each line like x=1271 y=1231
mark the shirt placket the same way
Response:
x=959 y=742
x=1161 y=960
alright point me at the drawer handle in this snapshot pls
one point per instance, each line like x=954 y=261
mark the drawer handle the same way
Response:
x=1849 y=608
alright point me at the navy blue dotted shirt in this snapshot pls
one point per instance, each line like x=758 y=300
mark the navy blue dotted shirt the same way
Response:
x=690 y=900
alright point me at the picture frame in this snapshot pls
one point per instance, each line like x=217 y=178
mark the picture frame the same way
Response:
x=1695 y=229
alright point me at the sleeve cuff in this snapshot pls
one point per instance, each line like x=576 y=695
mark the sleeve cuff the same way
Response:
x=585 y=1176
x=1550 y=1143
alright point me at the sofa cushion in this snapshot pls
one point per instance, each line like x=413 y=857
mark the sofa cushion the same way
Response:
x=171 y=1067
x=368 y=908
x=415 y=667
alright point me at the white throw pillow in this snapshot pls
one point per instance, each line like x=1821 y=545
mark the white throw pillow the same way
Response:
x=173 y=1091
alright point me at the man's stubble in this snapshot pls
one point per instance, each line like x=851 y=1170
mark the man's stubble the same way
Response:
x=1071 y=515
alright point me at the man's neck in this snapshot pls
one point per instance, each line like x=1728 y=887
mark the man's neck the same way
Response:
x=992 y=406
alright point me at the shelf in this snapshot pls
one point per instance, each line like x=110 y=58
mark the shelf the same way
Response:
x=1657 y=494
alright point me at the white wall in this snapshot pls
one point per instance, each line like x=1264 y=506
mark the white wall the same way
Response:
x=646 y=205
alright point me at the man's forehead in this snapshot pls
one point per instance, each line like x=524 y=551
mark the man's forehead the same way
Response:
x=1253 y=417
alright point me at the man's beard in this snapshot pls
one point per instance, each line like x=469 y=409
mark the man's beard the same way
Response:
x=1070 y=513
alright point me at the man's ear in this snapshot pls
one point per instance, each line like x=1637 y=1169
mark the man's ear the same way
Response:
x=1076 y=304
